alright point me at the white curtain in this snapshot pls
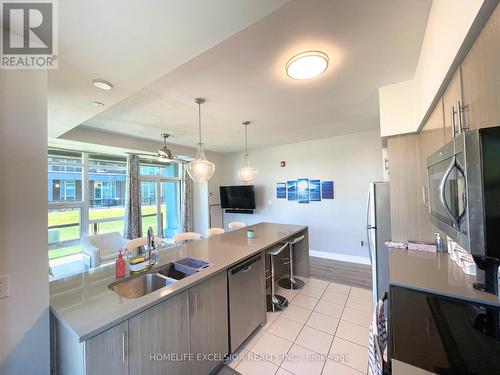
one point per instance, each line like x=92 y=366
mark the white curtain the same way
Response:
x=133 y=216
x=186 y=201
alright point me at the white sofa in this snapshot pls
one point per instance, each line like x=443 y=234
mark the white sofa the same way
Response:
x=102 y=247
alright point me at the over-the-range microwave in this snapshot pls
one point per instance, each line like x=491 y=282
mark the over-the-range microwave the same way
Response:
x=464 y=193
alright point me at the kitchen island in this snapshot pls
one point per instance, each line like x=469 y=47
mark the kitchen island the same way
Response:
x=94 y=330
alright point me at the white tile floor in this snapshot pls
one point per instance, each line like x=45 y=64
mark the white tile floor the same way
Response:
x=323 y=331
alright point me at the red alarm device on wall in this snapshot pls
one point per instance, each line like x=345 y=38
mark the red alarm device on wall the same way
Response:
x=282 y=164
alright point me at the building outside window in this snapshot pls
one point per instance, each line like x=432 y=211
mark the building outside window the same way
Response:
x=86 y=196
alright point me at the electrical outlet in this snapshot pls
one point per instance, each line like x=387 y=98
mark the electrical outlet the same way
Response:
x=4 y=286
x=362 y=243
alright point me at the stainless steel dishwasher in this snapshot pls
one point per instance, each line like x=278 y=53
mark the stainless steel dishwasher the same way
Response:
x=247 y=299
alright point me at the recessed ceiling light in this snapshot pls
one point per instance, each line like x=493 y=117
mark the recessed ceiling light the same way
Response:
x=98 y=104
x=102 y=84
x=307 y=65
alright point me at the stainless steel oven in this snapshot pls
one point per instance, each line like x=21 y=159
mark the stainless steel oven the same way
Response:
x=464 y=192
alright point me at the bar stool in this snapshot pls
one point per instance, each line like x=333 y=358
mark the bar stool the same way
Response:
x=183 y=237
x=274 y=301
x=236 y=225
x=291 y=282
x=214 y=231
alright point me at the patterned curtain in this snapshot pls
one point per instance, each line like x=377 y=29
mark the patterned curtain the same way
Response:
x=186 y=201
x=133 y=216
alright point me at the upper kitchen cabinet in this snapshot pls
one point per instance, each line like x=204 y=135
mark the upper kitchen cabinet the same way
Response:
x=404 y=186
x=452 y=98
x=433 y=134
x=481 y=77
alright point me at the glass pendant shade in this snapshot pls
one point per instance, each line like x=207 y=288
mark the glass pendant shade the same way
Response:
x=200 y=169
x=247 y=173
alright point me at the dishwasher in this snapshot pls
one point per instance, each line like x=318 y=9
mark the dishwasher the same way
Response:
x=247 y=299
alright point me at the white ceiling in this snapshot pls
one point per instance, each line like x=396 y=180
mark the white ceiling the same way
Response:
x=132 y=43
x=370 y=44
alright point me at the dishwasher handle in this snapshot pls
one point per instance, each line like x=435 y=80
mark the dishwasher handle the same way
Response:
x=245 y=266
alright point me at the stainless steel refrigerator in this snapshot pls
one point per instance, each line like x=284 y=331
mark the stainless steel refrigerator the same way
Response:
x=378 y=230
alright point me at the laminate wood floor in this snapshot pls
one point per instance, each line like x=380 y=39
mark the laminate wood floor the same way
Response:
x=347 y=273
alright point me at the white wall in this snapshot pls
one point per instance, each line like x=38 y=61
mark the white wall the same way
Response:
x=447 y=27
x=335 y=226
x=24 y=324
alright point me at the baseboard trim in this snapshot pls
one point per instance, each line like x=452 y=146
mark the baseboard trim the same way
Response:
x=340 y=257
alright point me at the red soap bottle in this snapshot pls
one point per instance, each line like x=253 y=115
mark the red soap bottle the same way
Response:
x=120 y=266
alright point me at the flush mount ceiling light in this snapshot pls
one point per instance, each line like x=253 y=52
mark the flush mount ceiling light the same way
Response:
x=98 y=104
x=102 y=84
x=247 y=172
x=307 y=65
x=200 y=169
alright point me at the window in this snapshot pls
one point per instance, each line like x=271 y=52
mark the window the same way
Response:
x=106 y=185
x=68 y=190
x=86 y=196
x=64 y=232
x=160 y=197
x=65 y=202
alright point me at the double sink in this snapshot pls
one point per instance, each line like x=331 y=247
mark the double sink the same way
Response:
x=141 y=285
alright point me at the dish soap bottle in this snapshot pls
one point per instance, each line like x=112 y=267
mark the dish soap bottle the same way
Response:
x=439 y=243
x=120 y=266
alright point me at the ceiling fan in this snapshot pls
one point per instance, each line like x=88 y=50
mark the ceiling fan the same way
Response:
x=164 y=155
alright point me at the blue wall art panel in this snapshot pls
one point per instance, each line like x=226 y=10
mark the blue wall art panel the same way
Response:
x=292 y=190
x=327 y=189
x=281 y=190
x=314 y=190
x=303 y=190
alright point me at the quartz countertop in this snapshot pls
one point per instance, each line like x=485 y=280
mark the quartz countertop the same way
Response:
x=84 y=303
x=434 y=273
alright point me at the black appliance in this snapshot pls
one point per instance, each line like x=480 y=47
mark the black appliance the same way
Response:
x=443 y=335
x=238 y=199
x=464 y=198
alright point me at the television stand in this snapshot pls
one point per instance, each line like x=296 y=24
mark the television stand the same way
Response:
x=237 y=211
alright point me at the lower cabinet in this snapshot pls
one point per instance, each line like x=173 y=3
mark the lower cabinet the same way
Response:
x=158 y=342
x=184 y=335
x=106 y=353
x=209 y=324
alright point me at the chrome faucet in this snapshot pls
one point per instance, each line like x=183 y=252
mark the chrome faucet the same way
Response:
x=151 y=242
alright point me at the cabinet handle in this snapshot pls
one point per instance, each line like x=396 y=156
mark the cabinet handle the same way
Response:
x=453 y=124
x=461 y=108
x=194 y=304
x=124 y=344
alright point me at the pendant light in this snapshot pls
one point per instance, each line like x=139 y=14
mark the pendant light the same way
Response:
x=247 y=172
x=200 y=169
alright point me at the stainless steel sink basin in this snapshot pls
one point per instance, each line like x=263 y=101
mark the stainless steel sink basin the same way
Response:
x=138 y=286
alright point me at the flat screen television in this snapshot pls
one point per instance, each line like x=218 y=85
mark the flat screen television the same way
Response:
x=238 y=197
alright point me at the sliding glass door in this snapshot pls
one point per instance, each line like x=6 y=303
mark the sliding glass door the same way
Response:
x=149 y=206
x=170 y=208
x=160 y=198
